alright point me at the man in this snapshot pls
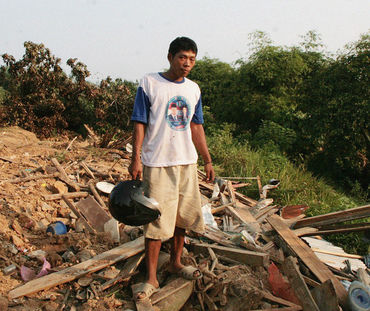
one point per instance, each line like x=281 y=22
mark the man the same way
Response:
x=173 y=115
x=169 y=156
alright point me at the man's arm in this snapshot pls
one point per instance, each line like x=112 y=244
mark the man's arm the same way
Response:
x=200 y=143
x=136 y=168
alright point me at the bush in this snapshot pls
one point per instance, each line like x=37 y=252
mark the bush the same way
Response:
x=298 y=186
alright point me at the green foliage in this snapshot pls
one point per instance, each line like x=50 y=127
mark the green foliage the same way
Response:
x=272 y=133
x=299 y=101
x=298 y=186
x=43 y=99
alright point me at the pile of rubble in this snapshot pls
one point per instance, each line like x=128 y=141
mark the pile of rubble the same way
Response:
x=62 y=250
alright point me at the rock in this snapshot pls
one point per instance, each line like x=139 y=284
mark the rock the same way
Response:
x=43 y=224
x=13 y=249
x=46 y=207
x=85 y=281
x=69 y=256
x=50 y=306
x=50 y=169
x=111 y=226
x=60 y=187
x=79 y=225
x=83 y=255
x=3 y=303
x=54 y=259
x=39 y=254
x=17 y=227
x=18 y=242
x=9 y=270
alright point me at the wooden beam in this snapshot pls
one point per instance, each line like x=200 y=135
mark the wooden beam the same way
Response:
x=220 y=208
x=322 y=251
x=63 y=175
x=169 y=289
x=78 y=214
x=96 y=263
x=359 y=227
x=304 y=252
x=69 y=195
x=297 y=308
x=127 y=270
x=28 y=178
x=244 y=216
x=246 y=257
x=325 y=297
x=336 y=217
x=299 y=286
x=94 y=213
x=363 y=276
x=272 y=298
x=96 y=194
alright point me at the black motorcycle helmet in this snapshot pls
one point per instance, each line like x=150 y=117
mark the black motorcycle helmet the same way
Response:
x=129 y=205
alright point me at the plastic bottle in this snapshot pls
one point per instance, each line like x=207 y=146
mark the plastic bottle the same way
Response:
x=359 y=296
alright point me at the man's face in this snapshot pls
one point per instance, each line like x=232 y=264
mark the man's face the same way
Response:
x=174 y=111
x=182 y=62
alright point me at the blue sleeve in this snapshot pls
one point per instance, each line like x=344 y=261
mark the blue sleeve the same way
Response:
x=141 y=107
x=198 y=113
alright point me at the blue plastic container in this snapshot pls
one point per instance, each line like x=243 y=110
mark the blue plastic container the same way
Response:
x=57 y=227
x=359 y=296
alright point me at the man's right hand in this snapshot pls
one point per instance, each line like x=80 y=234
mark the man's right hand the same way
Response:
x=135 y=169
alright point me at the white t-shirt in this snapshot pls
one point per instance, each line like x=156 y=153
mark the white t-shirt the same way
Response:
x=167 y=108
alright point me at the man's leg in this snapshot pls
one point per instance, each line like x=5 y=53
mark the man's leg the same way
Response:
x=152 y=248
x=177 y=244
x=176 y=251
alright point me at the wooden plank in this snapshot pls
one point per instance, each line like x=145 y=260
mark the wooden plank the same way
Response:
x=246 y=257
x=363 y=276
x=96 y=263
x=322 y=251
x=96 y=195
x=245 y=217
x=299 y=286
x=272 y=298
x=310 y=282
x=78 y=214
x=128 y=269
x=259 y=184
x=143 y=304
x=220 y=208
x=169 y=289
x=93 y=213
x=336 y=217
x=325 y=297
x=297 y=308
x=304 y=252
x=87 y=170
x=69 y=195
x=230 y=189
x=179 y=295
x=359 y=227
x=243 y=198
x=28 y=178
x=63 y=175
x=305 y=230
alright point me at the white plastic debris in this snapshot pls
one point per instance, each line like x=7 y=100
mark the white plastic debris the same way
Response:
x=208 y=217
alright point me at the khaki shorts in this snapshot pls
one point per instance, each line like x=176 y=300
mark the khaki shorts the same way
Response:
x=176 y=190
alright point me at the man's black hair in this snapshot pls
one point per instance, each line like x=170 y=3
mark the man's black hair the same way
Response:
x=182 y=44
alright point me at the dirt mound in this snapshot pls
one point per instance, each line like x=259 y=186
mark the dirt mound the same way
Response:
x=15 y=136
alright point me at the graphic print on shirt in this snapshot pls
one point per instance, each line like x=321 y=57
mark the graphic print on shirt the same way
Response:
x=177 y=113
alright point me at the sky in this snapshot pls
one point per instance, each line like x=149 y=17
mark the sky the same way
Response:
x=127 y=39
